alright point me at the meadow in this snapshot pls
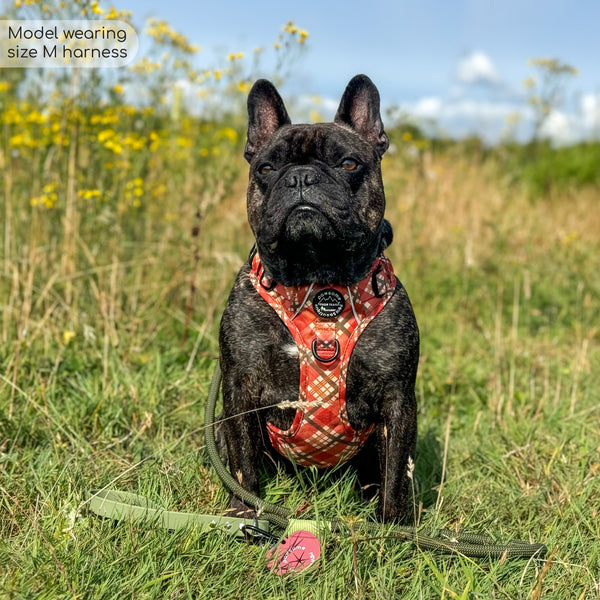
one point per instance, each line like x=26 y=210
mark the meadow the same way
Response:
x=123 y=227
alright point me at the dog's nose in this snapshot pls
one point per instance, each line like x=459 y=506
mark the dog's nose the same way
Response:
x=302 y=177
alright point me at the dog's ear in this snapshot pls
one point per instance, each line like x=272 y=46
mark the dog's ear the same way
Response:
x=266 y=114
x=359 y=108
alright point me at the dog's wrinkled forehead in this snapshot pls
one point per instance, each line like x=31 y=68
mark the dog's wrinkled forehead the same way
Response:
x=326 y=142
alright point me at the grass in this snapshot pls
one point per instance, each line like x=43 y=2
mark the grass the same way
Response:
x=97 y=389
x=121 y=231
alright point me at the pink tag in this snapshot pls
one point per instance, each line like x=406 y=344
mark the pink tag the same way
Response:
x=294 y=553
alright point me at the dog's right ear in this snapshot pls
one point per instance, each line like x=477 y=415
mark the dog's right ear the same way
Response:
x=266 y=114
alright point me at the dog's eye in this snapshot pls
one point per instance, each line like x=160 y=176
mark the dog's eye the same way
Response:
x=349 y=164
x=265 y=169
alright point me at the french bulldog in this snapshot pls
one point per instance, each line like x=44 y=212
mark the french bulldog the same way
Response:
x=316 y=207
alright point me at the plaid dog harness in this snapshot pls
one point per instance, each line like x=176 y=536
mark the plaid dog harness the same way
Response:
x=325 y=322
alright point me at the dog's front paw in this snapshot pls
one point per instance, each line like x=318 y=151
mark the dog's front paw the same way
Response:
x=238 y=508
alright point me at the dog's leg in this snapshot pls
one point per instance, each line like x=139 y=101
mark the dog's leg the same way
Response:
x=396 y=438
x=242 y=434
x=365 y=463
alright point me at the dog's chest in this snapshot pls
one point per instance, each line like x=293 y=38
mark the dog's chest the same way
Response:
x=325 y=323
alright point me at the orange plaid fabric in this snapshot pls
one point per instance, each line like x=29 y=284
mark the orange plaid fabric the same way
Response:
x=325 y=322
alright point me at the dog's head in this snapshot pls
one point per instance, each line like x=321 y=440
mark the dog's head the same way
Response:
x=315 y=198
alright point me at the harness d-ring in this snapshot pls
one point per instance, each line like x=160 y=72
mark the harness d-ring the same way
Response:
x=325 y=360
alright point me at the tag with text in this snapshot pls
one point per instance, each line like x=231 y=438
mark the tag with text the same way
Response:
x=67 y=43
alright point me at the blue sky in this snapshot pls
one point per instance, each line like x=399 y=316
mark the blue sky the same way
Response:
x=459 y=63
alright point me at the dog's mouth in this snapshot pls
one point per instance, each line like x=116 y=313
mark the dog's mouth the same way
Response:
x=307 y=222
x=316 y=226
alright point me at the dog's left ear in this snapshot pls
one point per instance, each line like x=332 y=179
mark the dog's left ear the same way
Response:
x=359 y=108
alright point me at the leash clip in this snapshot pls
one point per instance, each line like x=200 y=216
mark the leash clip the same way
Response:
x=256 y=533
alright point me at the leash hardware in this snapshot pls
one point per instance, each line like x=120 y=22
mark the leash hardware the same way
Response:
x=325 y=360
x=257 y=533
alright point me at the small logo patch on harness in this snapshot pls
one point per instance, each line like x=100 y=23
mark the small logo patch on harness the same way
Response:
x=328 y=303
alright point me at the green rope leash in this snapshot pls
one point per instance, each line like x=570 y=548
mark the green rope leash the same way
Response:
x=122 y=505
x=469 y=544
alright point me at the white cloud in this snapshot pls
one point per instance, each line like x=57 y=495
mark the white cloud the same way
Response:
x=477 y=67
x=466 y=116
x=428 y=108
x=559 y=128
x=568 y=128
x=590 y=112
x=490 y=112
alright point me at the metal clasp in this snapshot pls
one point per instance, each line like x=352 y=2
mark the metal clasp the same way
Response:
x=320 y=358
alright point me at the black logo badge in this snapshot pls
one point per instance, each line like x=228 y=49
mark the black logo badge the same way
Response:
x=328 y=303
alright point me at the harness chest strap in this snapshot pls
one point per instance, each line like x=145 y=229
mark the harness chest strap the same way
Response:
x=325 y=322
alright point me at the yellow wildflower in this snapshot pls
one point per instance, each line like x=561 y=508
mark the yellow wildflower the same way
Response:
x=134 y=190
x=569 y=238
x=529 y=82
x=118 y=14
x=144 y=66
x=163 y=34
x=134 y=142
x=159 y=190
x=244 y=86
x=96 y=9
x=12 y=116
x=89 y=194
x=47 y=198
x=108 y=138
x=67 y=336
x=230 y=134
x=105 y=134
x=315 y=117
x=36 y=117
x=183 y=142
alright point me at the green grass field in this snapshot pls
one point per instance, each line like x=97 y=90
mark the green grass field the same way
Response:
x=97 y=389
x=122 y=229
